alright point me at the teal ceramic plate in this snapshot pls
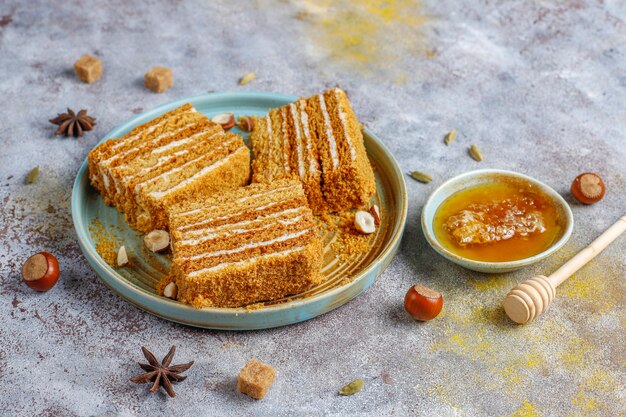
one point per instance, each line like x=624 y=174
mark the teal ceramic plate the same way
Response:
x=99 y=226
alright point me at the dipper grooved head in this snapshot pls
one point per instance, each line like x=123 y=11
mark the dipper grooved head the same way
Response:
x=529 y=299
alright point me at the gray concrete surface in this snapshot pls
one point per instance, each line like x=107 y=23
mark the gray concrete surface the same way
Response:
x=540 y=86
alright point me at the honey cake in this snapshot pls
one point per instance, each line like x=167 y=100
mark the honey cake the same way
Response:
x=318 y=140
x=252 y=244
x=164 y=161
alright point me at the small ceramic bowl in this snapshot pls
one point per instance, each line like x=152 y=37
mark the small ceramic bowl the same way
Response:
x=473 y=178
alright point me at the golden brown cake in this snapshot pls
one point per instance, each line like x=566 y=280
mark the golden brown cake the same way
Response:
x=256 y=243
x=319 y=141
x=162 y=162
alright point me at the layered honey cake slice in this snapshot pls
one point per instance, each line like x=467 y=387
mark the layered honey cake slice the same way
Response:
x=252 y=244
x=319 y=141
x=284 y=146
x=161 y=162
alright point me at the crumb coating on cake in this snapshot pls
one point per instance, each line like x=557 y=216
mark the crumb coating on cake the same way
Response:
x=319 y=141
x=256 y=243
x=157 y=164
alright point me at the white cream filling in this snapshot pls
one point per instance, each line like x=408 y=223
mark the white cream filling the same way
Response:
x=243 y=223
x=270 y=139
x=167 y=134
x=304 y=118
x=299 y=151
x=239 y=200
x=149 y=130
x=184 y=141
x=283 y=238
x=246 y=262
x=213 y=219
x=202 y=172
x=160 y=162
x=344 y=123
x=105 y=179
x=233 y=232
x=166 y=158
x=283 y=115
x=332 y=144
x=108 y=171
x=174 y=170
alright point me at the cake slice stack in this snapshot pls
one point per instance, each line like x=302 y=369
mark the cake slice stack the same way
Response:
x=319 y=141
x=162 y=162
x=256 y=243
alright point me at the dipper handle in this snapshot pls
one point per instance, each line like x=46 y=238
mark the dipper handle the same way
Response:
x=590 y=252
x=529 y=299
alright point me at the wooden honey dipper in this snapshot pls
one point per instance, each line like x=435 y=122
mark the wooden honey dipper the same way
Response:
x=529 y=299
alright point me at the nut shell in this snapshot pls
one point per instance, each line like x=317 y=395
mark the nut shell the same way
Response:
x=422 y=303
x=588 y=188
x=41 y=271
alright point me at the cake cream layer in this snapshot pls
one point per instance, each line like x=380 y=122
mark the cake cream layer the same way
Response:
x=111 y=153
x=165 y=160
x=267 y=277
x=162 y=161
x=255 y=204
x=252 y=244
x=319 y=141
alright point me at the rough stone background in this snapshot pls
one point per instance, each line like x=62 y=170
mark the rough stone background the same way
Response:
x=540 y=86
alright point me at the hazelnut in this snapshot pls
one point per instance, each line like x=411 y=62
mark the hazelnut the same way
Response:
x=41 y=271
x=122 y=257
x=422 y=303
x=364 y=222
x=226 y=120
x=375 y=212
x=588 y=188
x=170 y=290
x=157 y=240
x=245 y=123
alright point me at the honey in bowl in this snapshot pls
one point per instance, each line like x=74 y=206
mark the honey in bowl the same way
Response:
x=500 y=221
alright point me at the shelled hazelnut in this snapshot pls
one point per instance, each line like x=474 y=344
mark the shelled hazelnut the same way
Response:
x=364 y=222
x=157 y=240
x=226 y=120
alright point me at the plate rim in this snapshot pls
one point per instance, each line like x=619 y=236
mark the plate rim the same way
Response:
x=105 y=272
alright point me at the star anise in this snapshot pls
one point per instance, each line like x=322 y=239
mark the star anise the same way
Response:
x=161 y=373
x=72 y=124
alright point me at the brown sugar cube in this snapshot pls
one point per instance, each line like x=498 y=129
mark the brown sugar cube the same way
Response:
x=255 y=379
x=88 y=68
x=159 y=79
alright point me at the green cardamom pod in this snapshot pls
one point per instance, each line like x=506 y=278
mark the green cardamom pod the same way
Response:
x=450 y=137
x=421 y=177
x=476 y=153
x=32 y=175
x=247 y=78
x=353 y=387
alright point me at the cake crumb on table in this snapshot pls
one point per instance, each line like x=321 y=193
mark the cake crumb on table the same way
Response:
x=255 y=379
